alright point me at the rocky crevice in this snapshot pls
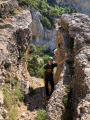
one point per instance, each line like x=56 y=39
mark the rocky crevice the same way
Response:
x=73 y=39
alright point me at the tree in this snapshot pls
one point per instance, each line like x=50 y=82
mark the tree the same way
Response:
x=46 y=23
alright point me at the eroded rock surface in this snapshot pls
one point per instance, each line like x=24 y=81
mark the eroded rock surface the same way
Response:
x=15 y=37
x=73 y=39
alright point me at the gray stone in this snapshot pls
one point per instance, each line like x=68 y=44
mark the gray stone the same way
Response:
x=1 y=98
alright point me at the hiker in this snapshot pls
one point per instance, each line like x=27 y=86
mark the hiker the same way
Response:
x=48 y=75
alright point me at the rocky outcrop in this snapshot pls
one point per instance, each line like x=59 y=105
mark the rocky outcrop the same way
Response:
x=73 y=39
x=15 y=37
x=78 y=26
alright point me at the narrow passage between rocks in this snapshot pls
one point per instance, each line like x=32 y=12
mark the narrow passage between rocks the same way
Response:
x=33 y=101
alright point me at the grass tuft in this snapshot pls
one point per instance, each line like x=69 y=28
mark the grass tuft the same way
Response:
x=41 y=114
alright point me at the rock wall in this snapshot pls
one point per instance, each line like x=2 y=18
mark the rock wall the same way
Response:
x=15 y=37
x=81 y=5
x=73 y=39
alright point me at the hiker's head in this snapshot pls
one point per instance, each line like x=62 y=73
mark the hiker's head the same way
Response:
x=50 y=60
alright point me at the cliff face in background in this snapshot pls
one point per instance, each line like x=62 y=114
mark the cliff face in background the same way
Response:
x=41 y=35
x=73 y=38
x=82 y=6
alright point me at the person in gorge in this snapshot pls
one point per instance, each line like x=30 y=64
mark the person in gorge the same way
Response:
x=48 y=75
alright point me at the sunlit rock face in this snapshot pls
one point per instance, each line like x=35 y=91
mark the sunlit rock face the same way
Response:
x=82 y=6
x=73 y=40
x=41 y=35
x=15 y=38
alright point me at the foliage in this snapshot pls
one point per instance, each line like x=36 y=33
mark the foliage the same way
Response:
x=32 y=48
x=45 y=58
x=34 y=66
x=65 y=100
x=40 y=114
x=11 y=96
x=8 y=79
x=12 y=115
x=49 y=10
x=14 y=81
x=21 y=54
x=46 y=23
x=19 y=93
x=7 y=99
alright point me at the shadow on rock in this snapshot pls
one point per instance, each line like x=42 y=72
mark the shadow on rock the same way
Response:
x=35 y=99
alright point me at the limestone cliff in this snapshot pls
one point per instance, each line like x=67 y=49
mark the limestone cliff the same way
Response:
x=73 y=39
x=15 y=37
x=41 y=35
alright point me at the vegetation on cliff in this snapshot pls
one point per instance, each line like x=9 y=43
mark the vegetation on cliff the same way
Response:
x=36 y=60
x=49 y=10
x=12 y=96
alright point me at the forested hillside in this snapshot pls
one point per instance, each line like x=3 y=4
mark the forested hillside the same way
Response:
x=49 y=10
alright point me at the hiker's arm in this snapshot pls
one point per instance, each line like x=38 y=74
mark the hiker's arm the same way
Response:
x=44 y=76
x=62 y=61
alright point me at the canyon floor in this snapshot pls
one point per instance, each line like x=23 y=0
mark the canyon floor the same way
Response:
x=33 y=102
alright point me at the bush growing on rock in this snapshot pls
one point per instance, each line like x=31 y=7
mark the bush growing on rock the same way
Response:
x=40 y=114
x=12 y=95
x=12 y=115
x=46 y=23
x=19 y=93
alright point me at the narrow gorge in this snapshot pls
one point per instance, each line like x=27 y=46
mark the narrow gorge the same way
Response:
x=21 y=26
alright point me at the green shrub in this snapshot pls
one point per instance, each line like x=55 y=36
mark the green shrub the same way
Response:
x=19 y=93
x=34 y=67
x=14 y=81
x=49 y=9
x=8 y=79
x=40 y=114
x=10 y=98
x=7 y=99
x=32 y=49
x=46 y=23
x=21 y=54
x=24 y=2
x=12 y=115
x=45 y=58
x=65 y=100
